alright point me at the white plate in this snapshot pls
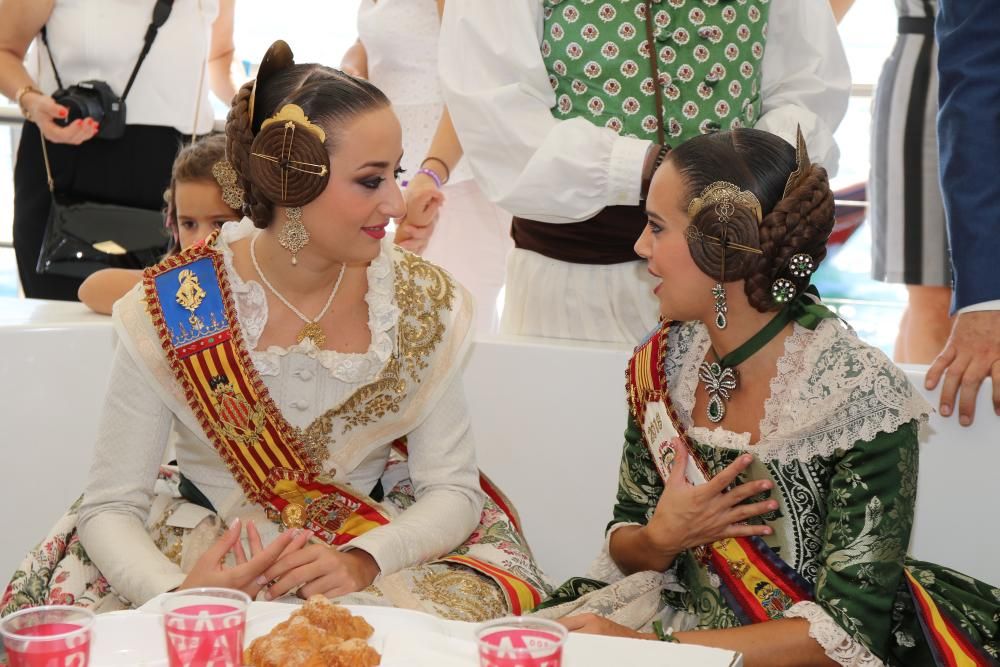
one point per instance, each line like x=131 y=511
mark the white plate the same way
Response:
x=135 y=638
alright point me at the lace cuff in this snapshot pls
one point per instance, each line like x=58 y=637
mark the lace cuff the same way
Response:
x=837 y=644
x=603 y=568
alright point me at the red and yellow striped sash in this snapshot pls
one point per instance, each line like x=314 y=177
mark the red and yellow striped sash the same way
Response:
x=192 y=309
x=189 y=300
x=521 y=595
x=950 y=646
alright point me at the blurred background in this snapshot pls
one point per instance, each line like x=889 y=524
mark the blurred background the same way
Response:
x=868 y=32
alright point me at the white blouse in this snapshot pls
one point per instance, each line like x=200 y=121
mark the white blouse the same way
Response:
x=526 y=161
x=101 y=39
x=305 y=382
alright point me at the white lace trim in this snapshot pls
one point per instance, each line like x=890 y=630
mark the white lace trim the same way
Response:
x=831 y=391
x=251 y=308
x=604 y=568
x=836 y=643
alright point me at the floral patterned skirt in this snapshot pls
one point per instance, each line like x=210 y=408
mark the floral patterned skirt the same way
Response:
x=58 y=570
x=637 y=601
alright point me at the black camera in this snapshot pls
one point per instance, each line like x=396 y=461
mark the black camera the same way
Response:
x=94 y=99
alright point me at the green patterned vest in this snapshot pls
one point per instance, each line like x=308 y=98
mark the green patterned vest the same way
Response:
x=708 y=56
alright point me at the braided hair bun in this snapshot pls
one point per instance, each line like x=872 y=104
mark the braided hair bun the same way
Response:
x=289 y=164
x=801 y=222
x=793 y=222
x=282 y=153
x=737 y=224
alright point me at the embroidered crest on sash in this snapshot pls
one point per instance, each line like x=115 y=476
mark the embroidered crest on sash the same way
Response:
x=237 y=418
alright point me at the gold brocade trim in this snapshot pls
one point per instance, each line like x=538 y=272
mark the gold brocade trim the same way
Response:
x=423 y=293
x=460 y=594
x=168 y=539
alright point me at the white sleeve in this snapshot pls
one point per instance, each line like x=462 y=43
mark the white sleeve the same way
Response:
x=806 y=80
x=497 y=89
x=449 y=499
x=131 y=439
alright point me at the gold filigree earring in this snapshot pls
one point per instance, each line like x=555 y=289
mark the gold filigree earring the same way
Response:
x=294 y=236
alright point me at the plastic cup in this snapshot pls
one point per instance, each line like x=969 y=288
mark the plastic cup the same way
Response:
x=204 y=627
x=520 y=641
x=53 y=636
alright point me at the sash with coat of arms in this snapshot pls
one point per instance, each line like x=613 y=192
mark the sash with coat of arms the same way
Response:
x=189 y=300
x=754 y=581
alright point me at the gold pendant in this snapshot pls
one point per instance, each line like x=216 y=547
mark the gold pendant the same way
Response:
x=314 y=331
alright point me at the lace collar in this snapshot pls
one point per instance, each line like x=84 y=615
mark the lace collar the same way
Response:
x=831 y=391
x=251 y=308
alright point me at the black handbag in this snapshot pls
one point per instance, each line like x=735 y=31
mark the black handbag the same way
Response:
x=84 y=237
x=81 y=236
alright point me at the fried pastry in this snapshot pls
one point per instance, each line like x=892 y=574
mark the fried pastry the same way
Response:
x=335 y=619
x=318 y=634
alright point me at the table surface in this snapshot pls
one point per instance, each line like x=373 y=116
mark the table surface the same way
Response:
x=405 y=638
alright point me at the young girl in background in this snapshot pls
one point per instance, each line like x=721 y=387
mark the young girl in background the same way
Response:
x=196 y=207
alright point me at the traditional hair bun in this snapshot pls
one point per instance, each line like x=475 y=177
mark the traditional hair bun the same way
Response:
x=289 y=163
x=740 y=228
x=801 y=222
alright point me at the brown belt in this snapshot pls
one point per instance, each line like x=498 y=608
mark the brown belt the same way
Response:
x=607 y=238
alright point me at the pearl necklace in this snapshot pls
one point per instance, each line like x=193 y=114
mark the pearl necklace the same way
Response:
x=312 y=330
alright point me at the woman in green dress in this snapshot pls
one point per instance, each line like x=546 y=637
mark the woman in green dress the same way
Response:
x=769 y=473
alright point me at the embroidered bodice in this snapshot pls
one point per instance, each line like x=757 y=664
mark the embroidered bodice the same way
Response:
x=839 y=441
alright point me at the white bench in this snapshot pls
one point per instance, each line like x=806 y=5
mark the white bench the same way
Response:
x=548 y=418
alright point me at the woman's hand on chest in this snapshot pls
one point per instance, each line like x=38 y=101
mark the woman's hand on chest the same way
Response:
x=689 y=516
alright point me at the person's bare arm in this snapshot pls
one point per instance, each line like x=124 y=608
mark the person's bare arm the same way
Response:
x=840 y=8
x=355 y=60
x=782 y=642
x=20 y=21
x=221 y=52
x=422 y=206
x=101 y=289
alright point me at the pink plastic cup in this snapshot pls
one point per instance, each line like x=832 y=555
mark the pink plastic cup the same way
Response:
x=55 y=636
x=204 y=627
x=520 y=641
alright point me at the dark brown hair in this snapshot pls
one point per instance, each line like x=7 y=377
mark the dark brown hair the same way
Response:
x=799 y=222
x=328 y=97
x=194 y=162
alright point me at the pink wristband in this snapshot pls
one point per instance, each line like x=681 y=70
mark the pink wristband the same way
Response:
x=433 y=175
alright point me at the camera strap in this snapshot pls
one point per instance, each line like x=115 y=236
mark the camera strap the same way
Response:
x=161 y=12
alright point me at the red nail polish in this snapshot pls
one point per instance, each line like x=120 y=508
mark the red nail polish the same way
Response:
x=63 y=113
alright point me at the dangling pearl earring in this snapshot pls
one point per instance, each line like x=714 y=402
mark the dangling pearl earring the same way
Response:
x=294 y=236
